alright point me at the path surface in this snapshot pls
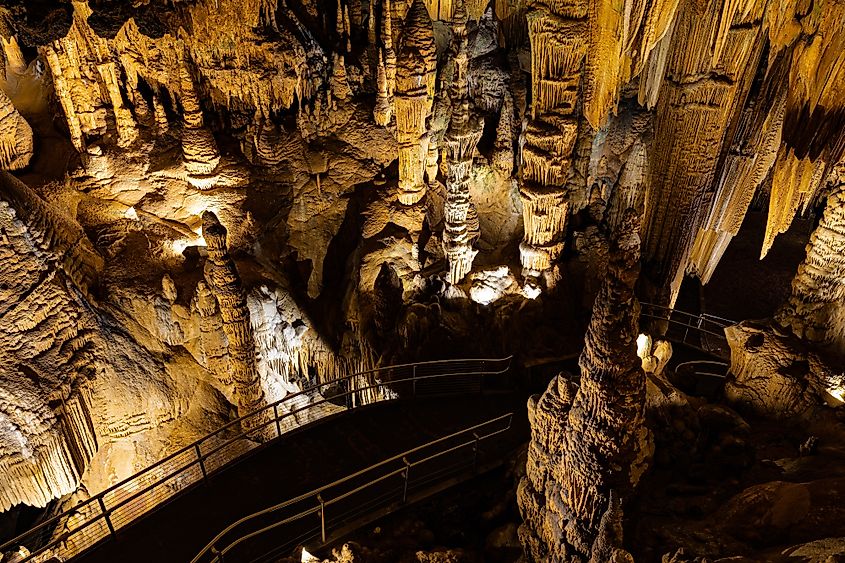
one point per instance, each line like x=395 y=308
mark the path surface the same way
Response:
x=300 y=462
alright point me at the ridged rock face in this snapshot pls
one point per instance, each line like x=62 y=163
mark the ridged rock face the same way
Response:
x=47 y=436
x=584 y=440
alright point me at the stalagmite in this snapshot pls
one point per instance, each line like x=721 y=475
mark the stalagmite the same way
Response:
x=413 y=101
x=585 y=443
x=814 y=309
x=222 y=276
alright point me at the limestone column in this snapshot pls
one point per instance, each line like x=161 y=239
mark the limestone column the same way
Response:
x=584 y=449
x=415 y=75
x=223 y=279
x=813 y=309
x=558 y=39
x=461 y=139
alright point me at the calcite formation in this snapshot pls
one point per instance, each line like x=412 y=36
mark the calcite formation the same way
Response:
x=222 y=276
x=460 y=140
x=415 y=76
x=814 y=309
x=396 y=178
x=584 y=440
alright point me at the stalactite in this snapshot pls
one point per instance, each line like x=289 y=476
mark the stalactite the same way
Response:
x=222 y=276
x=693 y=117
x=383 y=110
x=795 y=182
x=199 y=149
x=585 y=444
x=749 y=160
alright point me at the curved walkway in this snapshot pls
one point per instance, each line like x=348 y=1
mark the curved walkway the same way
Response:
x=297 y=463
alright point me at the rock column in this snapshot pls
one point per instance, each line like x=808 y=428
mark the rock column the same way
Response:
x=584 y=452
x=461 y=139
x=813 y=310
x=223 y=279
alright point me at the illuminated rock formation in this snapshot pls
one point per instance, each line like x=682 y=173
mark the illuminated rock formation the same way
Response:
x=415 y=74
x=16 y=146
x=776 y=376
x=709 y=69
x=558 y=45
x=222 y=276
x=199 y=149
x=460 y=141
x=584 y=441
x=814 y=309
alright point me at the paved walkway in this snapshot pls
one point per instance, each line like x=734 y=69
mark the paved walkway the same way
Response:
x=300 y=462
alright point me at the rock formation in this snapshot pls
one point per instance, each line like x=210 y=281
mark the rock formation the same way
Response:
x=585 y=440
x=460 y=141
x=396 y=178
x=814 y=309
x=222 y=277
x=415 y=75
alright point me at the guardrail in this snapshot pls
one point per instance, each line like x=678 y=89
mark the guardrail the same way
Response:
x=704 y=332
x=385 y=484
x=98 y=517
x=706 y=368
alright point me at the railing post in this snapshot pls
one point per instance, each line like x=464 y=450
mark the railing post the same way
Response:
x=202 y=462
x=106 y=514
x=349 y=394
x=407 y=472
x=414 y=380
x=322 y=517
x=276 y=418
x=475 y=452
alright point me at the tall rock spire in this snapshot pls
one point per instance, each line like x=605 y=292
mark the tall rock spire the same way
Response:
x=584 y=443
x=461 y=139
x=225 y=282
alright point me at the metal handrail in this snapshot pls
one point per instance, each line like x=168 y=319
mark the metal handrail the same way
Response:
x=101 y=512
x=316 y=494
x=705 y=324
x=723 y=367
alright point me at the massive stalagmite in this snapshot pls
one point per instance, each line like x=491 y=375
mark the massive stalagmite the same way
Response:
x=222 y=276
x=585 y=439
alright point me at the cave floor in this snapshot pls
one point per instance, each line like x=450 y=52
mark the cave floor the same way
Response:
x=301 y=462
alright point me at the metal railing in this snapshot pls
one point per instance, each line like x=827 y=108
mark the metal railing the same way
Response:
x=388 y=483
x=705 y=368
x=704 y=332
x=98 y=517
